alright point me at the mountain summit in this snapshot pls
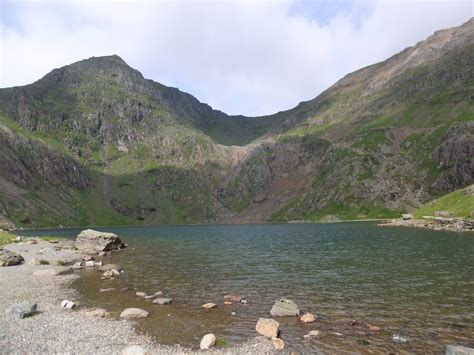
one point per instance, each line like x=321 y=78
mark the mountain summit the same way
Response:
x=96 y=143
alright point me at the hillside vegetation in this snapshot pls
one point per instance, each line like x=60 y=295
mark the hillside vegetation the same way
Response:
x=459 y=203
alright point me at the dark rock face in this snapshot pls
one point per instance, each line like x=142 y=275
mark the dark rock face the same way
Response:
x=91 y=241
x=456 y=158
x=8 y=258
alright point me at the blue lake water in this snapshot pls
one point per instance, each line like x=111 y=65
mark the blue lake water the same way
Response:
x=411 y=282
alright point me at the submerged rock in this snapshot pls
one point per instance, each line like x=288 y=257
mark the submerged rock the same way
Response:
x=209 y=305
x=21 y=310
x=98 y=312
x=267 y=327
x=92 y=241
x=134 y=313
x=207 y=341
x=278 y=343
x=313 y=334
x=308 y=318
x=284 y=307
x=162 y=301
x=9 y=258
x=458 y=350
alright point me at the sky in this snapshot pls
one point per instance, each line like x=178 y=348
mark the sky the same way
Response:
x=240 y=57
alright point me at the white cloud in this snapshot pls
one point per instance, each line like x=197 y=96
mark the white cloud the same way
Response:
x=240 y=57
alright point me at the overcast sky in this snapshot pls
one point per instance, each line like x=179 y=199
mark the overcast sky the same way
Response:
x=240 y=57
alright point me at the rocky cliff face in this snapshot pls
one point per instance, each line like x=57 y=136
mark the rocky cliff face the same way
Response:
x=96 y=143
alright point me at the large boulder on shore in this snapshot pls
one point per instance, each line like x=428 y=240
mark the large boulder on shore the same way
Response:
x=284 y=307
x=9 y=258
x=92 y=241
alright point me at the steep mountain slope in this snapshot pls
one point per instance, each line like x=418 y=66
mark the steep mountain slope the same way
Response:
x=96 y=143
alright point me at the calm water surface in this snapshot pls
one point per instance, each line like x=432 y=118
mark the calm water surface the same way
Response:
x=411 y=282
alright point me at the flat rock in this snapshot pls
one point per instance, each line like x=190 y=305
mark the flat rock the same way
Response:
x=267 y=327
x=278 y=343
x=459 y=350
x=233 y=298
x=308 y=318
x=9 y=258
x=207 y=341
x=98 y=312
x=209 y=305
x=92 y=241
x=21 y=310
x=134 y=313
x=284 y=308
x=162 y=300
x=134 y=350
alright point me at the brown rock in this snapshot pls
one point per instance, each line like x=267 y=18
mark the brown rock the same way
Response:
x=209 y=305
x=373 y=328
x=267 y=327
x=307 y=318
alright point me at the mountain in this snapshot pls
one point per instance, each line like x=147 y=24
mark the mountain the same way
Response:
x=95 y=143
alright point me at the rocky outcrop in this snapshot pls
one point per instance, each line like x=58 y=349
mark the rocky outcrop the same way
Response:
x=92 y=241
x=8 y=258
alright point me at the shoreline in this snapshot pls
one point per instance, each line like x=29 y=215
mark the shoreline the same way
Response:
x=54 y=329
x=433 y=223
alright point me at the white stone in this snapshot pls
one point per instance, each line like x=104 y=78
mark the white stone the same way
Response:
x=207 y=341
x=90 y=263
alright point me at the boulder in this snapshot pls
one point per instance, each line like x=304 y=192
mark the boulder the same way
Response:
x=134 y=350
x=134 y=313
x=207 y=341
x=162 y=301
x=284 y=307
x=458 y=350
x=91 y=241
x=406 y=216
x=21 y=310
x=209 y=305
x=98 y=312
x=278 y=343
x=9 y=258
x=267 y=327
x=307 y=318
x=441 y=214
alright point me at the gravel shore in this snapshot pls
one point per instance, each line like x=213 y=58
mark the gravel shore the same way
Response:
x=56 y=330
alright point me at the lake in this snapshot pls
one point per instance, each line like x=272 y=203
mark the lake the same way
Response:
x=411 y=282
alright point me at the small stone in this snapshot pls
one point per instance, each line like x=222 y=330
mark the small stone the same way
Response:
x=354 y=323
x=244 y=301
x=284 y=307
x=207 y=341
x=90 y=263
x=162 y=301
x=98 y=264
x=278 y=343
x=102 y=253
x=125 y=289
x=267 y=327
x=134 y=313
x=337 y=334
x=21 y=310
x=313 y=334
x=209 y=305
x=68 y=304
x=373 y=328
x=406 y=216
x=399 y=339
x=134 y=350
x=88 y=258
x=107 y=289
x=77 y=266
x=228 y=303
x=98 y=312
x=233 y=298
x=141 y=294
x=108 y=267
x=308 y=318
x=233 y=313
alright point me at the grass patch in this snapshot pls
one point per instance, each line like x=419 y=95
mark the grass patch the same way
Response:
x=53 y=238
x=44 y=262
x=6 y=238
x=221 y=341
x=459 y=203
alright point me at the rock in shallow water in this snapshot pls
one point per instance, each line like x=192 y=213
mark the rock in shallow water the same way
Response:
x=284 y=307
x=458 y=350
x=21 y=310
x=9 y=258
x=209 y=305
x=92 y=241
x=162 y=301
x=267 y=327
x=99 y=312
x=207 y=341
x=134 y=313
x=278 y=343
x=308 y=318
